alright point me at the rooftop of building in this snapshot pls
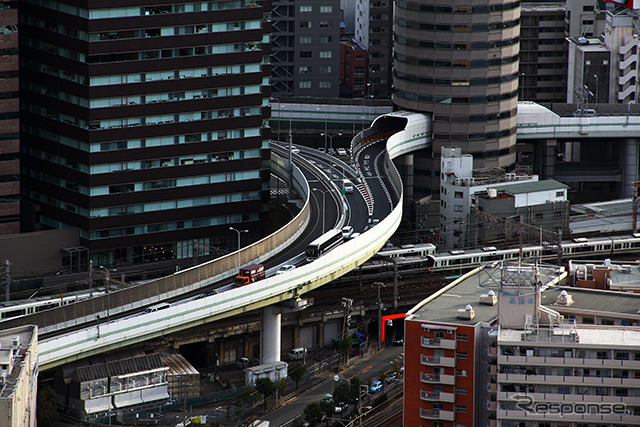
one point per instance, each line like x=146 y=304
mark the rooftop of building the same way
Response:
x=597 y=336
x=443 y=306
x=533 y=186
x=589 y=44
x=14 y=342
x=593 y=300
x=603 y=217
x=622 y=274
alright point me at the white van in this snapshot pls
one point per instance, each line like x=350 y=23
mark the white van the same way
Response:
x=298 y=353
x=157 y=307
x=347 y=185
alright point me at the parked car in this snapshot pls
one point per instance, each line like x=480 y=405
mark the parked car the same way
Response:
x=341 y=152
x=398 y=341
x=375 y=386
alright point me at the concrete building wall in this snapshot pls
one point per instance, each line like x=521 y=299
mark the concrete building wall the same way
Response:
x=459 y=63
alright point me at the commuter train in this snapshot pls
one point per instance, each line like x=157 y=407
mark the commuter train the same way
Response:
x=409 y=256
x=575 y=248
x=23 y=307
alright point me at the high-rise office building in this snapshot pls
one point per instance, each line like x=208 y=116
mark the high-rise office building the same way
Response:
x=306 y=48
x=9 y=122
x=373 y=30
x=144 y=122
x=459 y=62
x=543 y=53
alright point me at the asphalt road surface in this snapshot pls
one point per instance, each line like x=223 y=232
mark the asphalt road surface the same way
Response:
x=364 y=368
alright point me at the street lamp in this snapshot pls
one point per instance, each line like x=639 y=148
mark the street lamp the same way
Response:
x=597 y=86
x=330 y=139
x=323 y=205
x=238 y=231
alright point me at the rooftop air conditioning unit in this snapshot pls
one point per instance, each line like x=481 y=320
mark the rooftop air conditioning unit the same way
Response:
x=564 y=298
x=489 y=298
x=466 y=313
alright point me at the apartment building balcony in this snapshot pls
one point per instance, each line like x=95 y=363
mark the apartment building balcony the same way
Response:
x=568 y=380
x=436 y=414
x=437 y=378
x=438 y=343
x=437 y=361
x=492 y=351
x=509 y=396
x=437 y=396
x=566 y=417
x=493 y=370
x=575 y=362
x=492 y=387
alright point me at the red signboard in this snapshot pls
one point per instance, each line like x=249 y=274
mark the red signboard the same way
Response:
x=626 y=3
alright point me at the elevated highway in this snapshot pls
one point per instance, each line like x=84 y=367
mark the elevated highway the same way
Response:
x=388 y=137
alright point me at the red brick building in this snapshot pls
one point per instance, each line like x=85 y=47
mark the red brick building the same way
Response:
x=445 y=345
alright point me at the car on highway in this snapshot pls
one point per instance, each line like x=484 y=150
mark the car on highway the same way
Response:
x=347 y=231
x=341 y=152
x=375 y=386
x=285 y=268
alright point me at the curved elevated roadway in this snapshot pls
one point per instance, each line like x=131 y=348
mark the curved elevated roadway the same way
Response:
x=401 y=132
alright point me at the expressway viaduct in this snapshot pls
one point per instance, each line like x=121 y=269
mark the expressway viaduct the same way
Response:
x=117 y=320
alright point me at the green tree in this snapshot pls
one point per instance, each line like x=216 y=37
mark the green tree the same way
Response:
x=296 y=372
x=266 y=388
x=342 y=393
x=281 y=385
x=297 y=422
x=313 y=413
x=345 y=347
x=328 y=406
x=396 y=368
x=46 y=408
x=383 y=377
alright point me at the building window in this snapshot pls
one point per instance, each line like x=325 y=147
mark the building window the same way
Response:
x=325 y=24
x=325 y=54
x=304 y=69
x=305 y=84
x=305 y=39
x=461 y=390
x=325 y=84
x=457 y=194
x=326 y=39
x=305 y=24
x=461 y=354
x=457 y=208
x=461 y=409
x=305 y=54
x=462 y=337
x=306 y=9
x=461 y=373
x=559 y=193
x=622 y=355
x=326 y=9
x=324 y=69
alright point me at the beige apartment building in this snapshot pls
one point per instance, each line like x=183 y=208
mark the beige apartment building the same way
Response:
x=544 y=355
x=18 y=376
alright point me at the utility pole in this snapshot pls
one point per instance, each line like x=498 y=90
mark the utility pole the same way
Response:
x=7 y=273
x=379 y=284
x=347 y=303
x=90 y=275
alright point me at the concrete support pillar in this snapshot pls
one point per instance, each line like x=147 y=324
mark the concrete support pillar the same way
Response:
x=271 y=335
x=405 y=167
x=548 y=167
x=629 y=167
